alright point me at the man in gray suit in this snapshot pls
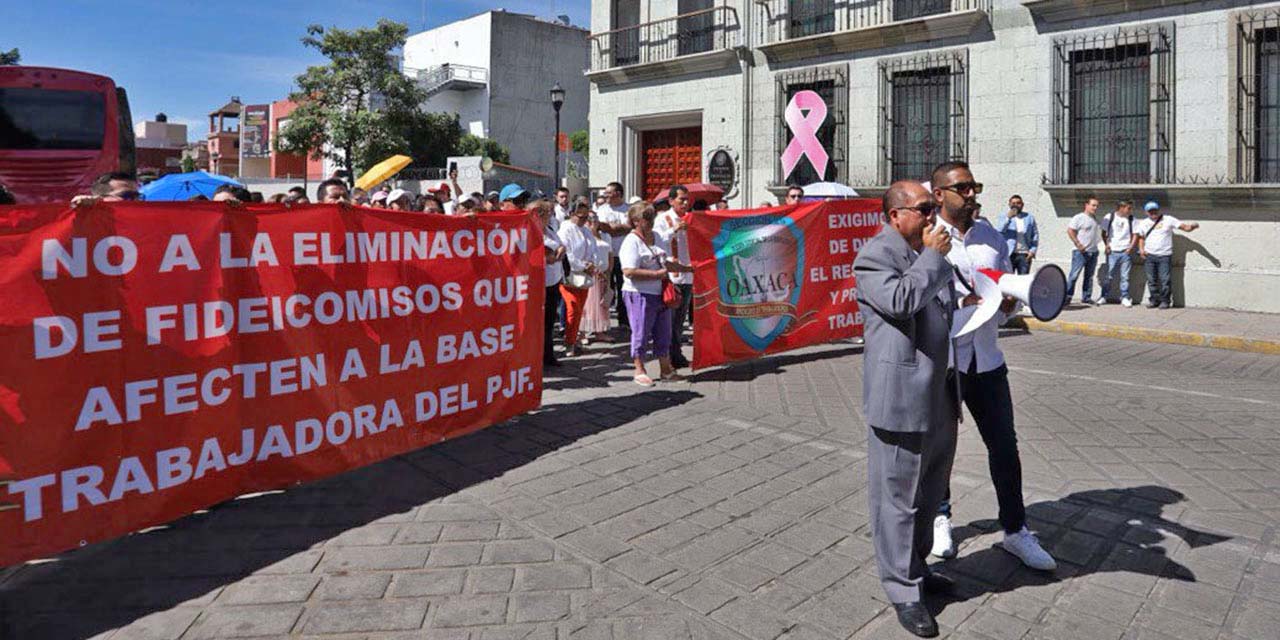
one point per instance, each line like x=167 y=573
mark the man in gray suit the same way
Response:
x=910 y=408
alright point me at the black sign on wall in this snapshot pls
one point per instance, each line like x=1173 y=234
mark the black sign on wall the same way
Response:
x=722 y=171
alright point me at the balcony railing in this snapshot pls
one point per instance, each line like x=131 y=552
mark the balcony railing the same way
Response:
x=704 y=31
x=791 y=19
x=450 y=76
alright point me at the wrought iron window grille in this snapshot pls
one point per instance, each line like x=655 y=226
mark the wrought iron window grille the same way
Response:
x=1257 y=115
x=924 y=114
x=832 y=84
x=1113 y=99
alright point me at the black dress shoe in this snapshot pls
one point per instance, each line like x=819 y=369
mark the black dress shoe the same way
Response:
x=937 y=583
x=915 y=618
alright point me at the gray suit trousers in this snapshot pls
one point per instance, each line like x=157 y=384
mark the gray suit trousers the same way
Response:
x=908 y=474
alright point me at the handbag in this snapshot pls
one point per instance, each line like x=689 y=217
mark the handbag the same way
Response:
x=579 y=280
x=671 y=295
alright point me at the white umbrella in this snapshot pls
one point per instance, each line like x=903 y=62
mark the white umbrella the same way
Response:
x=824 y=190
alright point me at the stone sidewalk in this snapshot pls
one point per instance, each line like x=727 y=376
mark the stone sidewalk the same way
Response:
x=733 y=507
x=1216 y=328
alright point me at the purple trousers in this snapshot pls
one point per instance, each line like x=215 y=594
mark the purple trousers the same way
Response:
x=650 y=322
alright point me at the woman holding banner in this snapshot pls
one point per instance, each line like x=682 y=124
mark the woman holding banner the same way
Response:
x=580 y=249
x=646 y=263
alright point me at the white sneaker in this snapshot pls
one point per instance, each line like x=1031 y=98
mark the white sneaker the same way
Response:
x=1026 y=548
x=1101 y=301
x=1126 y=302
x=942 y=545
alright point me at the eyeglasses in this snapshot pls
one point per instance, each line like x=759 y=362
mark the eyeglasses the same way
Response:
x=961 y=187
x=927 y=209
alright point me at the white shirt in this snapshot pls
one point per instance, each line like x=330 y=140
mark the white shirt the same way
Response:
x=1088 y=233
x=579 y=245
x=1159 y=236
x=981 y=248
x=555 y=270
x=559 y=215
x=666 y=222
x=635 y=254
x=614 y=216
x=1020 y=227
x=1120 y=230
x=604 y=250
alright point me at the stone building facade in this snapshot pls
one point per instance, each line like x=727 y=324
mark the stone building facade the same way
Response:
x=1052 y=100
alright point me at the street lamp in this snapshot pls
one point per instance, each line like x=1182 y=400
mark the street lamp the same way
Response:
x=557 y=100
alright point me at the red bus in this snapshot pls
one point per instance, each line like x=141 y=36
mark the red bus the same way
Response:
x=60 y=129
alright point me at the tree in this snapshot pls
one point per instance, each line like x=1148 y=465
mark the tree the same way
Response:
x=10 y=57
x=581 y=141
x=188 y=164
x=359 y=105
x=473 y=145
x=433 y=137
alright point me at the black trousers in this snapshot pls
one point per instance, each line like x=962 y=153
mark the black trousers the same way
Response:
x=615 y=281
x=989 y=400
x=550 y=311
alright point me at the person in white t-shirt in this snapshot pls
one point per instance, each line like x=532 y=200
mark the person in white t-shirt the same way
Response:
x=1155 y=243
x=554 y=251
x=671 y=225
x=1084 y=233
x=613 y=221
x=1120 y=243
x=646 y=263
x=563 y=207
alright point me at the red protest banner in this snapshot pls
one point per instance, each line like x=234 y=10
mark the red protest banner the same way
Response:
x=158 y=358
x=775 y=279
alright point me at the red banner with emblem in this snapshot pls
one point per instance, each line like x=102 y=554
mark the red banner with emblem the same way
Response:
x=775 y=279
x=158 y=358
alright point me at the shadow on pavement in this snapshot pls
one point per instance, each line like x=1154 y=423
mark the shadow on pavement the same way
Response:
x=1088 y=532
x=86 y=592
x=774 y=364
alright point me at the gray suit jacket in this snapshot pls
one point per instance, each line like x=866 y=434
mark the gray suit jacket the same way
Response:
x=908 y=334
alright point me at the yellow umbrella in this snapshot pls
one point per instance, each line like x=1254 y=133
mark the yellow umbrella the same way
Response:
x=382 y=171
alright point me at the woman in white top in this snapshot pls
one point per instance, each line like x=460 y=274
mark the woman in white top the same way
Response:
x=645 y=265
x=554 y=274
x=595 y=318
x=580 y=249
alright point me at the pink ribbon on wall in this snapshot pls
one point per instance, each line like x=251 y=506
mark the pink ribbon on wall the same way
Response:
x=804 y=133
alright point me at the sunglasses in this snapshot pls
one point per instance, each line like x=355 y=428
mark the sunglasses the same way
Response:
x=129 y=195
x=962 y=187
x=927 y=209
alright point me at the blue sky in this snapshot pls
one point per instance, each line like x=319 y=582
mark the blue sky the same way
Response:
x=186 y=58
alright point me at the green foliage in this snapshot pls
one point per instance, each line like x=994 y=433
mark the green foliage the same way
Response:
x=188 y=164
x=472 y=145
x=359 y=104
x=432 y=138
x=10 y=57
x=581 y=141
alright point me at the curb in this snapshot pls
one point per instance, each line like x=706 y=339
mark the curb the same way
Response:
x=1163 y=336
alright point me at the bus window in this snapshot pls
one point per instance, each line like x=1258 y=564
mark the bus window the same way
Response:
x=43 y=119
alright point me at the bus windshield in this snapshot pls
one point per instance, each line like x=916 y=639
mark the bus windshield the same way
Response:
x=45 y=119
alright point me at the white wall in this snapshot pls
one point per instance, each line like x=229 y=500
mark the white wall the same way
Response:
x=465 y=42
x=1229 y=262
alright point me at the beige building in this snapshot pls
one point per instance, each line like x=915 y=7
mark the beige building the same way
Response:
x=1170 y=100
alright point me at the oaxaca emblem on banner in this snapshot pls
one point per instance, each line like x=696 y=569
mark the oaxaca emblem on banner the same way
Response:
x=158 y=358
x=771 y=280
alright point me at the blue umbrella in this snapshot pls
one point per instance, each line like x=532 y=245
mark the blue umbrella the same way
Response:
x=181 y=186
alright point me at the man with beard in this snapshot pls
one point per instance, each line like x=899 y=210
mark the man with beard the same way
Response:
x=903 y=285
x=976 y=356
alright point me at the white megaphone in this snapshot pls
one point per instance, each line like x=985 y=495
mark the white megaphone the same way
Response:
x=1044 y=292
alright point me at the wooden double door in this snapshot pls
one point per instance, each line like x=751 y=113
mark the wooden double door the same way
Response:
x=667 y=157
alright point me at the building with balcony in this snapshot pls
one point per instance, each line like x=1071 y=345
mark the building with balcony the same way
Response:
x=1052 y=100
x=495 y=70
x=224 y=138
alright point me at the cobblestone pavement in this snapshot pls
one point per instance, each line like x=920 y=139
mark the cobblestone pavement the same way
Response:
x=732 y=507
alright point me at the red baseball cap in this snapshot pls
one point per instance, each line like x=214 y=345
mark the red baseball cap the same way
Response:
x=444 y=186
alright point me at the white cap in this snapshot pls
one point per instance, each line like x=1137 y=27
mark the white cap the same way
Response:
x=396 y=194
